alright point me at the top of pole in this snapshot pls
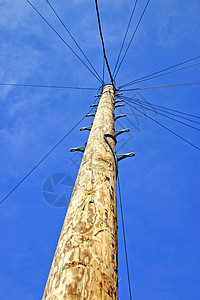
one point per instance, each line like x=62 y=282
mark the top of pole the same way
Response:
x=108 y=84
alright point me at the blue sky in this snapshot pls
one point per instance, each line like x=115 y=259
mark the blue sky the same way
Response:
x=160 y=185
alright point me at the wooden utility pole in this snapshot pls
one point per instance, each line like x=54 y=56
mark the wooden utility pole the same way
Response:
x=85 y=261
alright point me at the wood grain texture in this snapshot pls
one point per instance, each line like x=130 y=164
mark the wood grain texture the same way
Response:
x=85 y=261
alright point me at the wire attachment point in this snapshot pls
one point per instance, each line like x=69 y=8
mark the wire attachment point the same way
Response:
x=122 y=156
x=81 y=149
x=119 y=105
x=118 y=94
x=121 y=131
x=118 y=101
x=90 y=115
x=120 y=116
x=85 y=128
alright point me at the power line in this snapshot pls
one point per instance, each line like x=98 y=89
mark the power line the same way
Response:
x=124 y=235
x=161 y=86
x=102 y=41
x=53 y=9
x=48 y=86
x=103 y=69
x=182 y=138
x=125 y=35
x=180 y=112
x=168 y=68
x=131 y=39
x=149 y=78
x=62 y=39
x=157 y=107
x=29 y=173
x=164 y=115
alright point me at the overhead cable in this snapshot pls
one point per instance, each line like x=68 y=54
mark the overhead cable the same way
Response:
x=160 y=124
x=168 y=68
x=160 y=86
x=127 y=29
x=159 y=75
x=33 y=169
x=48 y=86
x=53 y=9
x=164 y=109
x=103 y=69
x=154 y=110
x=62 y=39
x=124 y=235
x=131 y=39
x=103 y=45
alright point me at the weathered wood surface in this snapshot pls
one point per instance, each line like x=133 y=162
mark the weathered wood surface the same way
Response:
x=85 y=261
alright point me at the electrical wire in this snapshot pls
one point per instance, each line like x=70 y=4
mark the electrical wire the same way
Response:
x=131 y=39
x=168 y=68
x=62 y=39
x=103 y=45
x=124 y=235
x=125 y=36
x=135 y=82
x=53 y=9
x=48 y=86
x=136 y=103
x=161 y=86
x=157 y=107
x=103 y=69
x=176 y=134
x=33 y=169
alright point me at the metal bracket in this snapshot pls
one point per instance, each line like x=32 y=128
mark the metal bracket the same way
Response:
x=90 y=115
x=85 y=128
x=122 y=156
x=81 y=149
x=120 y=116
x=121 y=131
x=118 y=94
x=94 y=105
x=116 y=157
x=118 y=101
x=119 y=105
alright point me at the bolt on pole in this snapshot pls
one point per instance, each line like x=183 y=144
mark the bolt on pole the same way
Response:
x=85 y=264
